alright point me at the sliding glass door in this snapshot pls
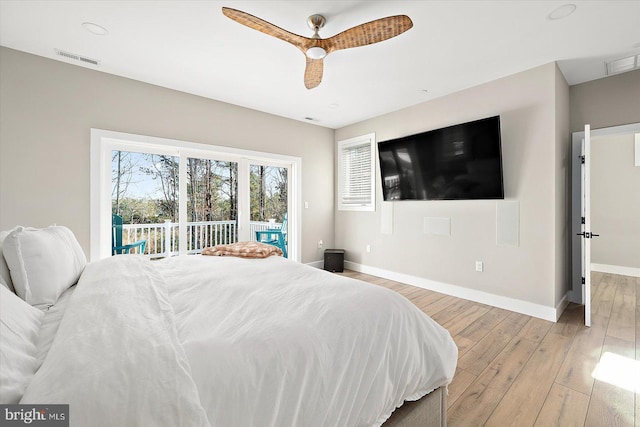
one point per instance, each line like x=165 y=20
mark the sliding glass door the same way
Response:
x=145 y=190
x=144 y=199
x=181 y=199
x=212 y=203
x=269 y=203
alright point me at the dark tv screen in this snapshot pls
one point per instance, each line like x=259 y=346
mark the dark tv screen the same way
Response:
x=458 y=162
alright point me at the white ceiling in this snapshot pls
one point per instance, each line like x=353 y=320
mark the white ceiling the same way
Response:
x=190 y=46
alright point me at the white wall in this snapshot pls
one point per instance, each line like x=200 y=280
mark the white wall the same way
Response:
x=615 y=202
x=47 y=109
x=533 y=106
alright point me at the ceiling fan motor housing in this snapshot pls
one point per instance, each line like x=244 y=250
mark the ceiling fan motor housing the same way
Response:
x=316 y=22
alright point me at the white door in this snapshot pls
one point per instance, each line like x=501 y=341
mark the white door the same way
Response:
x=586 y=233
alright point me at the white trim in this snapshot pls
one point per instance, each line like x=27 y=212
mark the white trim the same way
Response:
x=182 y=205
x=353 y=142
x=616 y=269
x=316 y=264
x=613 y=130
x=530 y=309
x=564 y=302
x=97 y=215
x=244 y=203
x=586 y=228
x=103 y=141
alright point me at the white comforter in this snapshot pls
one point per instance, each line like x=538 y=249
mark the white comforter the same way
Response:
x=275 y=343
x=237 y=342
x=116 y=358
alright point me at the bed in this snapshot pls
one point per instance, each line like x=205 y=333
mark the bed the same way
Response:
x=213 y=341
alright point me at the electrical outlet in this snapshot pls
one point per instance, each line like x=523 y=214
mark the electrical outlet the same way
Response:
x=479 y=266
x=320 y=243
x=368 y=248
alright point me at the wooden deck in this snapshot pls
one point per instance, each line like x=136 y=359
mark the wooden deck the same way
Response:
x=522 y=371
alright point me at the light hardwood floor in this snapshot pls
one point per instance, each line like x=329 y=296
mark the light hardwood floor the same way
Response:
x=522 y=371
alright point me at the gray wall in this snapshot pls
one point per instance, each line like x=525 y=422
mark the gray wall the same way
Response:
x=607 y=102
x=563 y=187
x=534 y=110
x=615 y=201
x=47 y=109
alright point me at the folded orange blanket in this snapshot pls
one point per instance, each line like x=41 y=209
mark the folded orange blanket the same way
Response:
x=244 y=250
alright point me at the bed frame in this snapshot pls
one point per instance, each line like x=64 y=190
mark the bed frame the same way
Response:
x=430 y=411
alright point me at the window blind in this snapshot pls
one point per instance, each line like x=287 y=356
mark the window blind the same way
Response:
x=356 y=173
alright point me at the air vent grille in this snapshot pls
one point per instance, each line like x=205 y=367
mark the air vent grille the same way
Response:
x=67 y=55
x=76 y=57
x=89 y=60
x=623 y=65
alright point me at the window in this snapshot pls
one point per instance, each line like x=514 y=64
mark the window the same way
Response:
x=181 y=196
x=356 y=176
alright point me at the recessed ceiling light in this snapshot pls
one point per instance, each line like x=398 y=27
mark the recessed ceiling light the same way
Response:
x=424 y=90
x=96 y=29
x=561 y=12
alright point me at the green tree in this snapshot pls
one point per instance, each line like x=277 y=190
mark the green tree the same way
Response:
x=164 y=170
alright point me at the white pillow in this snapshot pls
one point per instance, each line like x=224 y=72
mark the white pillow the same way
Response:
x=19 y=327
x=43 y=262
x=5 y=276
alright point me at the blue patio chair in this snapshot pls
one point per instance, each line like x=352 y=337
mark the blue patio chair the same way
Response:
x=116 y=239
x=275 y=236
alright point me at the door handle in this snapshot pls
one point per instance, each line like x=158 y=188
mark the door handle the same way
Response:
x=587 y=235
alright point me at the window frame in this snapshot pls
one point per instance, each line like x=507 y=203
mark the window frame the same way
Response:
x=104 y=141
x=362 y=140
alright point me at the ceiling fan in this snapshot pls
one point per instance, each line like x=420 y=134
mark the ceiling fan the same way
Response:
x=316 y=48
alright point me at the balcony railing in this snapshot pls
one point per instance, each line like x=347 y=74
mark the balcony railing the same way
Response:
x=162 y=239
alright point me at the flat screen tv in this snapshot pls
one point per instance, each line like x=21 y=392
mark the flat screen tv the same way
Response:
x=458 y=162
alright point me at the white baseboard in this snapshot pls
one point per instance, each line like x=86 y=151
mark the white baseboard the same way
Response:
x=616 y=269
x=316 y=264
x=564 y=302
x=512 y=304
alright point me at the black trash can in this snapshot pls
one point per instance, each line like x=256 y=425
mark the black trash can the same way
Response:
x=334 y=260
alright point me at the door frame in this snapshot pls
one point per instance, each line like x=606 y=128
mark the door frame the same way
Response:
x=575 y=294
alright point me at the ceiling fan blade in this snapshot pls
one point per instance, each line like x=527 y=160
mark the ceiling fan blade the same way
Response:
x=313 y=73
x=369 y=33
x=302 y=43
